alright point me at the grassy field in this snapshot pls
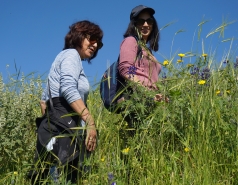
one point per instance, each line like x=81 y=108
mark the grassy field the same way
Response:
x=193 y=139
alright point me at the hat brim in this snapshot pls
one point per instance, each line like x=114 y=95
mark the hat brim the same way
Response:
x=150 y=10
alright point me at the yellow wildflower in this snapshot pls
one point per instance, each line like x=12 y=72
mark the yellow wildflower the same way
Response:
x=179 y=61
x=125 y=151
x=189 y=65
x=201 y=82
x=103 y=159
x=204 y=55
x=85 y=182
x=181 y=55
x=218 y=92
x=166 y=62
x=15 y=173
x=186 y=149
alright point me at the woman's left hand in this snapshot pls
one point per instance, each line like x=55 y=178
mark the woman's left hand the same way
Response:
x=91 y=139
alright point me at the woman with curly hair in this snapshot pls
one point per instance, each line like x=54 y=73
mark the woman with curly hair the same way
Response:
x=67 y=131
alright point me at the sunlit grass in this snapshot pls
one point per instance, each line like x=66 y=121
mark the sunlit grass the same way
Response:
x=190 y=140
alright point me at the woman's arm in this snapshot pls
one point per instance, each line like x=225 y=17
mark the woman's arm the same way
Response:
x=79 y=107
x=128 y=51
x=70 y=70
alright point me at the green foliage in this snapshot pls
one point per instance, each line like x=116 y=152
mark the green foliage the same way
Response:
x=19 y=106
x=192 y=139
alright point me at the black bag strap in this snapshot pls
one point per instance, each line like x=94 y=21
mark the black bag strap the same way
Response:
x=50 y=97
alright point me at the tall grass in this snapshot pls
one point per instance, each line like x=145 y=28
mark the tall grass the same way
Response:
x=190 y=140
x=19 y=106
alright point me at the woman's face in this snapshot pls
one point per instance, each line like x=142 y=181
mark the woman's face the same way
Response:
x=144 y=24
x=89 y=46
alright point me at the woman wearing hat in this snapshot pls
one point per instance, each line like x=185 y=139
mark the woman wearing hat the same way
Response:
x=137 y=63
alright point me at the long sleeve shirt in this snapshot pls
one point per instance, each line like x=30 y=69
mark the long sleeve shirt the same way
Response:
x=147 y=68
x=67 y=78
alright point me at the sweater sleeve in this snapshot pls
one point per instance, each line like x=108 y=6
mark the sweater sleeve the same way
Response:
x=128 y=52
x=70 y=69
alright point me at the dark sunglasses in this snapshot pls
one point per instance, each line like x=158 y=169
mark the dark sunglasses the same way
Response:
x=94 y=39
x=141 y=22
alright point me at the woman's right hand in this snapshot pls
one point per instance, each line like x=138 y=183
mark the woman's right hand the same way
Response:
x=160 y=98
x=42 y=107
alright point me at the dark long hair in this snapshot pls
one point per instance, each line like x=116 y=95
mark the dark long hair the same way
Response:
x=153 y=38
x=77 y=33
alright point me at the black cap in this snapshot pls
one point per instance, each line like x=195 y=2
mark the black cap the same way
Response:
x=138 y=9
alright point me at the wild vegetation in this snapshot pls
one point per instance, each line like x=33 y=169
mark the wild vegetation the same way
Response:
x=192 y=139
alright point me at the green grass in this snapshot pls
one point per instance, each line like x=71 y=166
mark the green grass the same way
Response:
x=190 y=140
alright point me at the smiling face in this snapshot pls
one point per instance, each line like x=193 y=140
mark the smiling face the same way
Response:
x=144 y=24
x=89 y=47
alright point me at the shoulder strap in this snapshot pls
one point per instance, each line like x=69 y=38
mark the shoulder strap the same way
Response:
x=50 y=97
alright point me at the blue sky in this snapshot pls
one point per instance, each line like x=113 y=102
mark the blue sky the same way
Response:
x=32 y=32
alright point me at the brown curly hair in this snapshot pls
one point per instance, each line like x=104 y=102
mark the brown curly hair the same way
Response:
x=78 y=32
